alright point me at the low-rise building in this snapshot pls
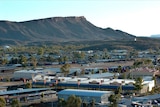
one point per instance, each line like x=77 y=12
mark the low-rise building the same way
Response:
x=86 y=95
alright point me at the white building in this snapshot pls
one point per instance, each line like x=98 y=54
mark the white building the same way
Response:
x=26 y=74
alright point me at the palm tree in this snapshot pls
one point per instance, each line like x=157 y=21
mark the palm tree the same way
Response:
x=65 y=69
x=2 y=102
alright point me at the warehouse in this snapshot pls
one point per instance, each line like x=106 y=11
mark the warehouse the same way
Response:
x=86 y=95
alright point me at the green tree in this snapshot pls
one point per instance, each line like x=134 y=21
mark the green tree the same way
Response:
x=92 y=103
x=34 y=61
x=2 y=102
x=138 y=84
x=119 y=69
x=4 y=61
x=73 y=101
x=42 y=97
x=28 y=85
x=82 y=55
x=22 y=60
x=137 y=63
x=65 y=69
x=114 y=98
x=124 y=75
x=15 y=103
x=61 y=102
x=65 y=58
x=85 y=104
x=147 y=61
x=40 y=51
x=82 y=72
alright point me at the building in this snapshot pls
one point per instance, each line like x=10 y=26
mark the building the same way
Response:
x=147 y=101
x=86 y=95
x=92 y=83
x=12 y=85
x=6 y=69
x=142 y=72
x=31 y=95
x=26 y=74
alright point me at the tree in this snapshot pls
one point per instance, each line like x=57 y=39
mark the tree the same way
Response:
x=138 y=84
x=65 y=69
x=42 y=97
x=119 y=70
x=85 y=104
x=4 y=61
x=65 y=59
x=41 y=51
x=29 y=85
x=137 y=63
x=61 y=102
x=114 y=98
x=92 y=103
x=15 y=103
x=33 y=61
x=124 y=75
x=73 y=101
x=22 y=60
x=2 y=102
x=119 y=90
x=82 y=72
x=82 y=55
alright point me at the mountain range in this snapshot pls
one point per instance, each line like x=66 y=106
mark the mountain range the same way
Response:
x=57 y=29
x=155 y=36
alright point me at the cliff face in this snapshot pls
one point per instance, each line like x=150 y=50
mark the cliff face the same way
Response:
x=57 y=29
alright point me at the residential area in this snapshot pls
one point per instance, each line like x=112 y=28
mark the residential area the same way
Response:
x=79 y=78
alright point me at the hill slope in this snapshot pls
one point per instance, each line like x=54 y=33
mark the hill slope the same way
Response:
x=56 y=29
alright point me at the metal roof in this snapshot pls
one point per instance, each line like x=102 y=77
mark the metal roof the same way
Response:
x=90 y=93
x=86 y=85
x=29 y=71
x=23 y=91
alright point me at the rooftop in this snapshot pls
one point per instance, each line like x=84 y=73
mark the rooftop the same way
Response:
x=83 y=92
x=23 y=91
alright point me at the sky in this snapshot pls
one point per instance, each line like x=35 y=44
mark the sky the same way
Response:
x=137 y=17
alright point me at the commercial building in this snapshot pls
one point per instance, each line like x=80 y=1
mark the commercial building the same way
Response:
x=92 y=83
x=86 y=95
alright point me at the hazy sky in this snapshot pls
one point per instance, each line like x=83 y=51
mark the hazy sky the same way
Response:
x=138 y=17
